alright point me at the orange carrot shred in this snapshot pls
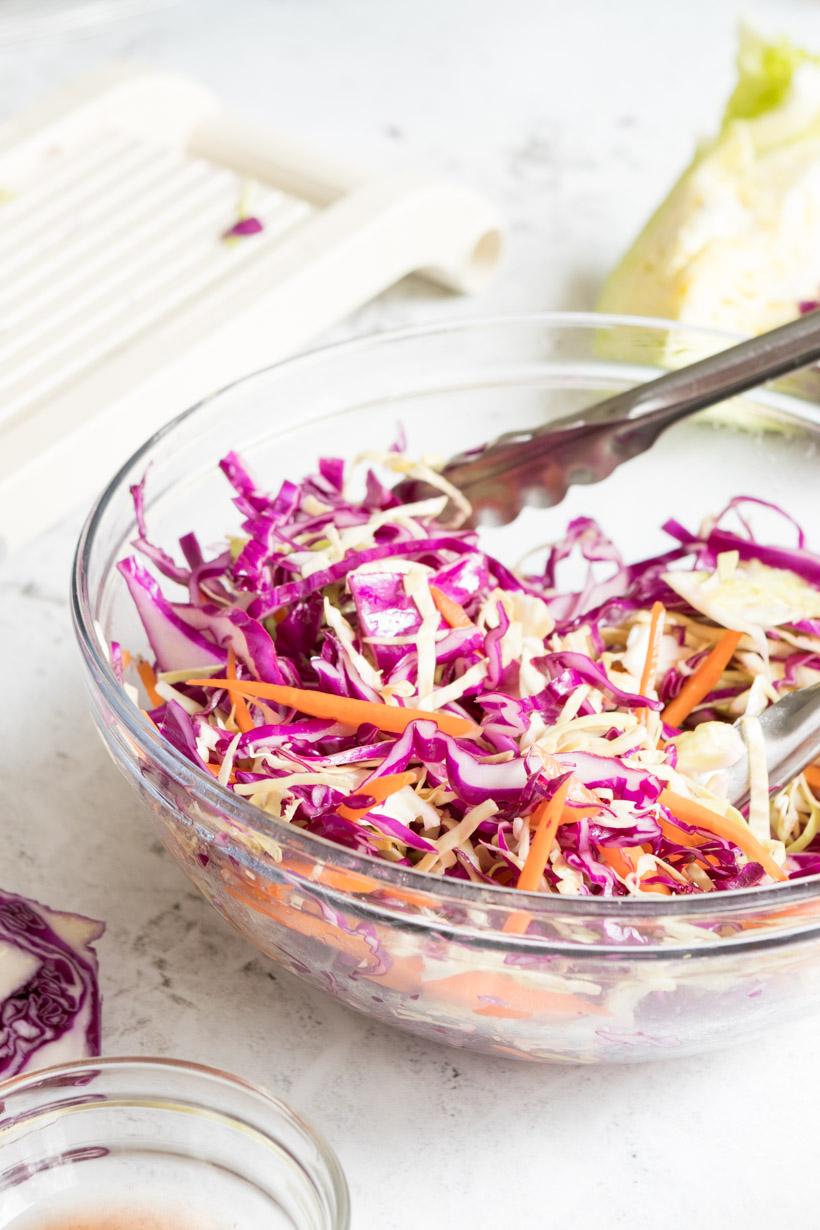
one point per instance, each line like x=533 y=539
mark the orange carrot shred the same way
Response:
x=342 y=709
x=623 y=861
x=504 y=995
x=726 y=827
x=149 y=682
x=450 y=610
x=673 y=833
x=379 y=789
x=650 y=666
x=812 y=776
x=125 y=658
x=240 y=706
x=618 y=859
x=549 y=815
x=701 y=683
x=547 y=818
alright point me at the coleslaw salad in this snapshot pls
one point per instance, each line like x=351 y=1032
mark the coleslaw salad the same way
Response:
x=356 y=667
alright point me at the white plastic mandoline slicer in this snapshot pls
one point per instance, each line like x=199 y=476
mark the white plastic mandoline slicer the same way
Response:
x=121 y=302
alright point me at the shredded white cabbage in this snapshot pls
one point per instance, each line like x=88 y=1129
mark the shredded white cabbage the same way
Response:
x=531 y=622
x=751 y=598
x=367 y=673
x=457 y=834
x=417 y=587
x=185 y=702
x=759 y=821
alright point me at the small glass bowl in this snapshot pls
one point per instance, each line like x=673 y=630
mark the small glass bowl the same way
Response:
x=193 y=1147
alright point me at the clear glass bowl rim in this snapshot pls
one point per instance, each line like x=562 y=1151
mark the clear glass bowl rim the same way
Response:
x=201 y=1074
x=204 y=788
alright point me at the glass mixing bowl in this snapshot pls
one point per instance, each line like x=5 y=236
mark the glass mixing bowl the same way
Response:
x=595 y=979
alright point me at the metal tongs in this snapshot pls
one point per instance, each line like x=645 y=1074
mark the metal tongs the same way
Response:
x=538 y=466
x=791 y=731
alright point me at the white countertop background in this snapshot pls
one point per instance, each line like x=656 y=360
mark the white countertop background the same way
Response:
x=575 y=115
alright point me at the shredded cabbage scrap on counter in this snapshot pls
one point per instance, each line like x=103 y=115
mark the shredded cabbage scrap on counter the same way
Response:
x=355 y=667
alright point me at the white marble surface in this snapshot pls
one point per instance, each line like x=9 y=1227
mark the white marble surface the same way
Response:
x=574 y=116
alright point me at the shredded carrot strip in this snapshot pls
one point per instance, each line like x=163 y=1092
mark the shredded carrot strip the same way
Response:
x=623 y=861
x=682 y=838
x=240 y=706
x=125 y=658
x=271 y=900
x=727 y=827
x=403 y=974
x=149 y=682
x=379 y=789
x=341 y=708
x=548 y=817
x=450 y=611
x=618 y=859
x=504 y=995
x=812 y=776
x=700 y=684
x=650 y=666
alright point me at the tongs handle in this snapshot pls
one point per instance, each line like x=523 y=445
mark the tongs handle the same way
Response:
x=720 y=376
x=538 y=465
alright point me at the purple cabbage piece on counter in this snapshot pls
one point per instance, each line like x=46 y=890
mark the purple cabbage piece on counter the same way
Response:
x=49 y=994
